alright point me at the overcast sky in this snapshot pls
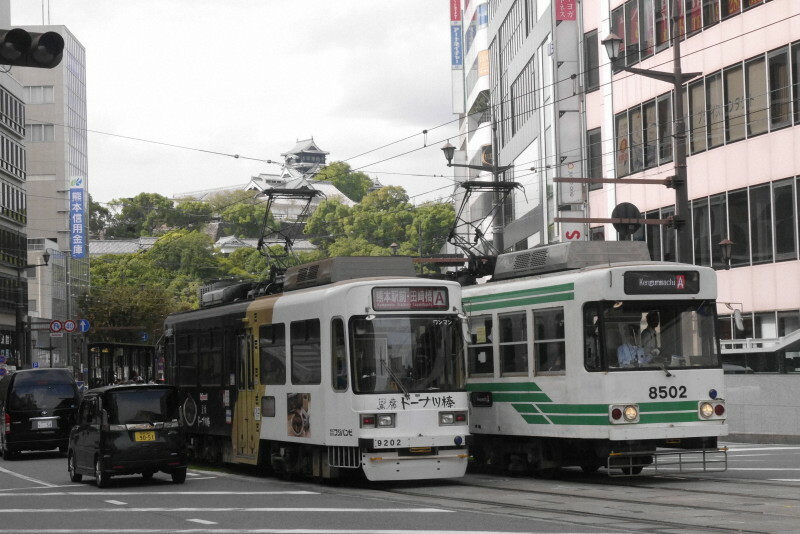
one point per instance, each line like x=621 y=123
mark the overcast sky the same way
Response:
x=251 y=77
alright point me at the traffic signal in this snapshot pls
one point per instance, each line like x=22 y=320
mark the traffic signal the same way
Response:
x=26 y=49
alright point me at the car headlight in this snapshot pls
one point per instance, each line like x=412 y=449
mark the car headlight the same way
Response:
x=706 y=410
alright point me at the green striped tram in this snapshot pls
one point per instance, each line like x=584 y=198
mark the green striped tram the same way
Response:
x=589 y=354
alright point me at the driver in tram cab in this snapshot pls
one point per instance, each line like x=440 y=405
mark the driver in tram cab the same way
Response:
x=649 y=338
x=630 y=354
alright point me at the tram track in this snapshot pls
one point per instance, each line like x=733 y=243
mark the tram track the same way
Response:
x=634 y=507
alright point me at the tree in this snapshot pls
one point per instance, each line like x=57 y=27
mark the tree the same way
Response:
x=354 y=185
x=100 y=217
x=146 y=214
x=242 y=212
x=192 y=214
x=382 y=217
x=188 y=253
x=327 y=223
x=428 y=232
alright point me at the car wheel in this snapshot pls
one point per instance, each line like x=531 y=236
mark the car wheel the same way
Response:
x=101 y=478
x=179 y=476
x=8 y=454
x=73 y=469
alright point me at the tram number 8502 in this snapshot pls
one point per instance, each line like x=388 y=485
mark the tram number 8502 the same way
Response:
x=671 y=392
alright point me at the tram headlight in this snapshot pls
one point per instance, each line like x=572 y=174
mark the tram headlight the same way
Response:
x=452 y=418
x=385 y=420
x=706 y=410
x=623 y=413
x=630 y=413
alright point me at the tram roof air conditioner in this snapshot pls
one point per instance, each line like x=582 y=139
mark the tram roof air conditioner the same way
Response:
x=567 y=256
x=332 y=270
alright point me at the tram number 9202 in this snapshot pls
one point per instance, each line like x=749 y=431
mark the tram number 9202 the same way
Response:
x=384 y=443
x=671 y=392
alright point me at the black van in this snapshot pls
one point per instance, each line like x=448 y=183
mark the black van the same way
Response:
x=127 y=429
x=38 y=408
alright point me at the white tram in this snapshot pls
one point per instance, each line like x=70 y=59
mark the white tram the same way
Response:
x=565 y=370
x=357 y=364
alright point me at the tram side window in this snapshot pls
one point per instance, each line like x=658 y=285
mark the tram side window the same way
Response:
x=513 y=344
x=306 y=355
x=211 y=358
x=187 y=360
x=272 y=345
x=480 y=355
x=548 y=341
x=592 y=355
x=338 y=356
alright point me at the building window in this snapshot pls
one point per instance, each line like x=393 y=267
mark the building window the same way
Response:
x=664 y=105
x=694 y=17
x=700 y=233
x=594 y=151
x=646 y=23
x=780 y=100
x=761 y=224
x=631 y=32
x=731 y=7
x=591 y=62
x=662 y=24
x=653 y=237
x=39 y=94
x=650 y=134
x=783 y=195
x=757 y=99
x=623 y=150
x=714 y=121
x=618 y=27
x=39 y=133
x=718 y=215
x=740 y=231
x=697 y=116
x=734 y=104
x=710 y=12
x=637 y=139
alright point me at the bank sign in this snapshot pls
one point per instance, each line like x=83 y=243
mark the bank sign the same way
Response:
x=77 y=218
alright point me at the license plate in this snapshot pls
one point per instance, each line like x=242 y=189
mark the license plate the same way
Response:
x=44 y=424
x=144 y=436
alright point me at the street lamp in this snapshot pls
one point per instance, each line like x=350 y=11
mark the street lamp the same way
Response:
x=394 y=247
x=20 y=345
x=677 y=78
x=496 y=170
x=726 y=247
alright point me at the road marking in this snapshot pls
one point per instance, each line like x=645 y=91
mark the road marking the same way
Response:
x=29 y=479
x=763 y=449
x=764 y=469
x=784 y=479
x=118 y=503
x=202 y=521
x=108 y=493
x=232 y=509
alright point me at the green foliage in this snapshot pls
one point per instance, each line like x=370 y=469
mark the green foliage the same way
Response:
x=354 y=185
x=99 y=218
x=146 y=214
x=327 y=223
x=192 y=214
x=242 y=212
x=382 y=217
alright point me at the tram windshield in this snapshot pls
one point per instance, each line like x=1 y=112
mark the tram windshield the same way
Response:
x=628 y=335
x=406 y=354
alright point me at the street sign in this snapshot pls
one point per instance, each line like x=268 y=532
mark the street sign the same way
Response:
x=2 y=359
x=70 y=325
x=56 y=326
x=35 y=365
x=84 y=325
x=3 y=371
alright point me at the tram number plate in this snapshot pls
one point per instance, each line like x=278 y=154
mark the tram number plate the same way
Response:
x=388 y=443
x=44 y=424
x=144 y=436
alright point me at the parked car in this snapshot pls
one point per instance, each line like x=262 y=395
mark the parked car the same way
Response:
x=128 y=429
x=37 y=409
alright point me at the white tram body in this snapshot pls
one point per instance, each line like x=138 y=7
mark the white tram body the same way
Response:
x=553 y=381
x=351 y=367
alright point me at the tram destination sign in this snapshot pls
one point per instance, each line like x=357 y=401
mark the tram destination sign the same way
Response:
x=662 y=283
x=409 y=298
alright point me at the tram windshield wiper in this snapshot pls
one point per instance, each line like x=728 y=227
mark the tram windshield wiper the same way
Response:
x=396 y=380
x=666 y=371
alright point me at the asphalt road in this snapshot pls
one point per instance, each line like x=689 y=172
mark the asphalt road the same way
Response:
x=760 y=492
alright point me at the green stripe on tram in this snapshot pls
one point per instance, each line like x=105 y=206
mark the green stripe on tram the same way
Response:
x=558 y=297
x=503 y=386
x=674 y=406
x=520 y=397
x=535 y=419
x=521 y=293
x=571 y=409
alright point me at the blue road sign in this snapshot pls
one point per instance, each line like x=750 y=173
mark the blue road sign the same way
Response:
x=84 y=326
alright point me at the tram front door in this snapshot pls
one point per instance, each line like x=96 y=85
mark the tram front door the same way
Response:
x=247 y=416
